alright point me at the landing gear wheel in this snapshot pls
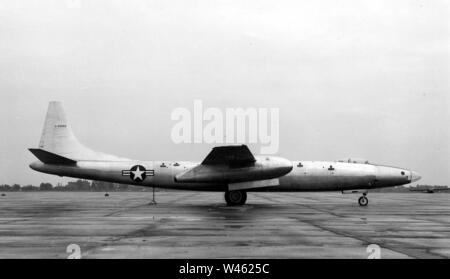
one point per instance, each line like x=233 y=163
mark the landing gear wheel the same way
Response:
x=363 y=201
x=235 y=197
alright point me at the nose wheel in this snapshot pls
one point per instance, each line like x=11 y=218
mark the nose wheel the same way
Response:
x=363 y=200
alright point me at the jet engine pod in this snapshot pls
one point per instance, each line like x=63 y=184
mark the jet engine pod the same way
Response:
x=264 y=167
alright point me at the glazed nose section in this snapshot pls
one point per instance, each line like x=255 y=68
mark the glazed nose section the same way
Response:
x=415 y=176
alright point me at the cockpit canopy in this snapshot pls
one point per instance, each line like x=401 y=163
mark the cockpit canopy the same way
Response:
x=354 y=161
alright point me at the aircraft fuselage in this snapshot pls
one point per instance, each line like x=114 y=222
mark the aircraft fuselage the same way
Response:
x=304 y=176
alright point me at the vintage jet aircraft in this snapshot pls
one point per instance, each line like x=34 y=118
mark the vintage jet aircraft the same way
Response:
x=231 y=169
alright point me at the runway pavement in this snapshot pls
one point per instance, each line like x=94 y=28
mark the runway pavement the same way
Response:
x=199 y=225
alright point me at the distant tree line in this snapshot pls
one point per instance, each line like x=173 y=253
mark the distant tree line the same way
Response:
x=75 y=186
x=402 y=189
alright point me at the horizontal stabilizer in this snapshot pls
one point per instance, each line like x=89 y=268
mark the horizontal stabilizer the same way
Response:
x=51 y=158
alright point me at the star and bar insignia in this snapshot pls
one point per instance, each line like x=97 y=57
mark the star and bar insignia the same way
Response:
x=138 y=173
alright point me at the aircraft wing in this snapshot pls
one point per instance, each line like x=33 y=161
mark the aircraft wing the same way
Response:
x=237 y=167
x=232 y=155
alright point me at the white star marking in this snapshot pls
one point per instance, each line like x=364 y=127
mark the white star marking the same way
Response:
x=138 y=173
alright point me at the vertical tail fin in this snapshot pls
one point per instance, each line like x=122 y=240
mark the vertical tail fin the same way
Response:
x=58 y=138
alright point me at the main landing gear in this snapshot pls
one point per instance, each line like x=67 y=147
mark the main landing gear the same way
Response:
x=363 y=200
x=234 y=198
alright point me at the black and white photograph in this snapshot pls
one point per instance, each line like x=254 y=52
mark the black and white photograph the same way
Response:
x=224 y=129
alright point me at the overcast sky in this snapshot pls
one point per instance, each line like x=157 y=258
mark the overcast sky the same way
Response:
x=355 y=78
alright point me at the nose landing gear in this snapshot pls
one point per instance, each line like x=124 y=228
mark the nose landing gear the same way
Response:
x=363 y=200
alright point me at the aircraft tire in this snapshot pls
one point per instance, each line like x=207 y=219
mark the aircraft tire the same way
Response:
x=363 y=201
x=234 y=198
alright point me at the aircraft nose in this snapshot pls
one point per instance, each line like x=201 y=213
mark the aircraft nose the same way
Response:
x=415 y=176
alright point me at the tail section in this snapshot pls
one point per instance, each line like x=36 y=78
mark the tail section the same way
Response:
x=58 y=144
x=57 y=136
